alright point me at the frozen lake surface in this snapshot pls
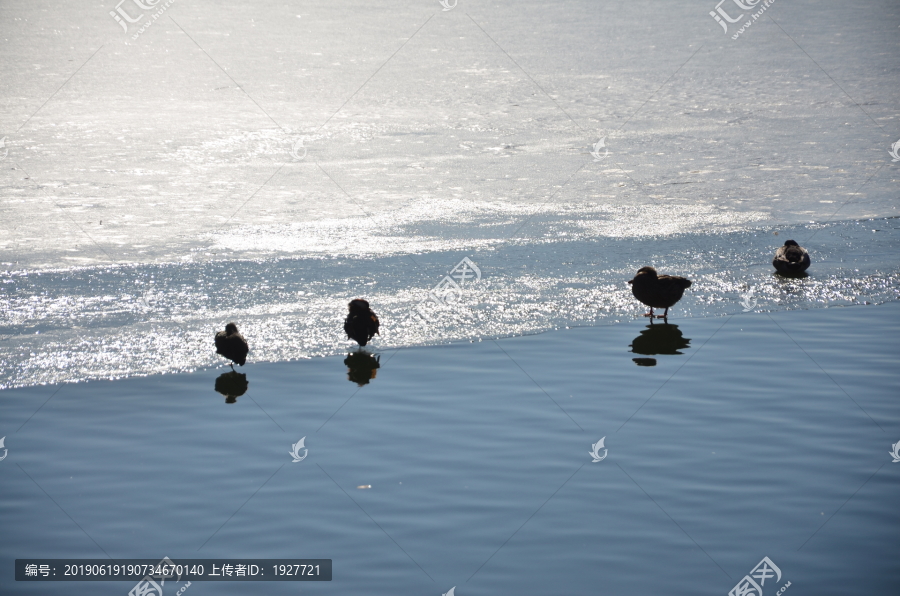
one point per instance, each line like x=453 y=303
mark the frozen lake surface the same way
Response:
x=166 y=167
x=107 y=322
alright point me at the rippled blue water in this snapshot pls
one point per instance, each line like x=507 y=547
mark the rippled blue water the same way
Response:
x=764 y=435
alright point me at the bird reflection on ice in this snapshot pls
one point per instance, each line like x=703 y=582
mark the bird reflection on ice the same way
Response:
x=232 y=385
x=656 y=339
x=362 y=367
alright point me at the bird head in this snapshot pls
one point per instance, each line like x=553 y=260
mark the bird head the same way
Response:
x=790 y=243
x=231 y=328
x=358 y=305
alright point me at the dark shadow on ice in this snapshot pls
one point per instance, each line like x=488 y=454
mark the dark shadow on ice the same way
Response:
x=232 y=385
x=658 y=339
x=644 y=361
x=790 y=275
x=362 y=367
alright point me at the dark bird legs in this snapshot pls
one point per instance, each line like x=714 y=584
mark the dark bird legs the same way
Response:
x=650 y=314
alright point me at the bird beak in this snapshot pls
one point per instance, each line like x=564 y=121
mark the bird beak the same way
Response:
x=630 y=280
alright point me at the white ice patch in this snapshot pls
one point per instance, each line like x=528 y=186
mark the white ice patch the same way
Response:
x=395 y=232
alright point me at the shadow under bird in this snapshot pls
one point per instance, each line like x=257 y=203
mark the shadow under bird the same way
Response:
x=361 y=324
x=362 y=367
x=656 y=340
x=791 y=258
x=658 y=291
x=232 y=385
x=232 y=345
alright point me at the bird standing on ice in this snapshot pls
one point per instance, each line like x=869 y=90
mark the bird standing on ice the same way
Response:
x=658 y=291
x=791 y=258
x=361 y=323
x=232 y=345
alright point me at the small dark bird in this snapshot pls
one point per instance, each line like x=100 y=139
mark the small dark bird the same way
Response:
x=658 y=291
x=791 y=258
x=232 y=345
x=361 y=323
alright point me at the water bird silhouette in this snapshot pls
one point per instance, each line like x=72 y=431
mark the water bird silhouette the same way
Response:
x=361 y=324
x=232 y=385
x=658 y=291
x=791 y=259
x=362 y=367
x=232 y=345
x=658 y=339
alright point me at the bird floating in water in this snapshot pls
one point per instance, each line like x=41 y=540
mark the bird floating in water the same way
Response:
x=232 y=345
x=658 y=291
x=791 y=258
x=361 y=323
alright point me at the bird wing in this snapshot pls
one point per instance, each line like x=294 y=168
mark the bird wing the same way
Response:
x=671 y=282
